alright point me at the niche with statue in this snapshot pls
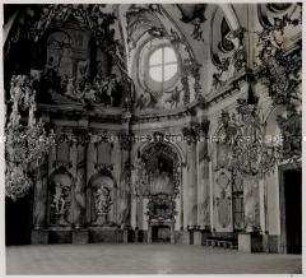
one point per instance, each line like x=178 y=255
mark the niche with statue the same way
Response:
x=60 y=188
x=101 y=199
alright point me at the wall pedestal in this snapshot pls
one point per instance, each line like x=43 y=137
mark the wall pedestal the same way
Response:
x=80 y=237
x=39 y=237
x=197 y=238
x=244 y=242
x=248 y=242
x=104 y=234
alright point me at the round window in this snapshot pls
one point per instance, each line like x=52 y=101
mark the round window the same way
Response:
x=163 y=64
x=158 y=67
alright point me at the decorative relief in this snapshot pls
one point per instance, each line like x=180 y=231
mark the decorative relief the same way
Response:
x=229 y=57
x=194 y=14
x=161 y=207
x=70 y=74
x=195 y=130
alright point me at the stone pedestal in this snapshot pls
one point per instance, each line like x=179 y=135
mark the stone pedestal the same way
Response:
x=149 y=240
x=39 y=237
x=104 y=234
x=205 y=235
x=248 y=242
x=265 y=243
x=80 y=237
x=191 y=236
x=172 y=237
x=244 y=242
x=185 y=237
x=197 y=238
x=273 y=242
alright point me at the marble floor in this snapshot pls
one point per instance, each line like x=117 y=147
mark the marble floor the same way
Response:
x=142 y=259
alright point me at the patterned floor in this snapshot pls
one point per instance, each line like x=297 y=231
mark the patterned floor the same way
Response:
x=143 y=259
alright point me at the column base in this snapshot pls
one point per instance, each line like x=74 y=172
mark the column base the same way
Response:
x=39 y=237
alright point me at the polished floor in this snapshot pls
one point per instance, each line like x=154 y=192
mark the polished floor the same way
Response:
x=143 y=259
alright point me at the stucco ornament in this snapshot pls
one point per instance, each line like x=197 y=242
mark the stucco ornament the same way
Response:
x=280 y=71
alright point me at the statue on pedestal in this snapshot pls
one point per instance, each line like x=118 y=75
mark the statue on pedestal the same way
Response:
x=103 y=203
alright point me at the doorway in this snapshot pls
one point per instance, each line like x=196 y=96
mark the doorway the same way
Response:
x=161 y=233
x=18 y=221
x=292 y=210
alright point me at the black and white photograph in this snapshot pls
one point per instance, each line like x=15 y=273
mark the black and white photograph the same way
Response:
x=152 y=138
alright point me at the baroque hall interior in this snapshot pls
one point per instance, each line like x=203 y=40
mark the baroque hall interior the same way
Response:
x=176 y=123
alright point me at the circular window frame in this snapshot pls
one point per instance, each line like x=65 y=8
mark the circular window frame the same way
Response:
x=272 y=7
x=144 y=78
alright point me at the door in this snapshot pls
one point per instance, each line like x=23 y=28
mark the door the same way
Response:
x=18 y=220
x=293 y=210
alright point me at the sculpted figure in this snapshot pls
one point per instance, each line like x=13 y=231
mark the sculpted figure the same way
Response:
x=103 y=200
x=59 y=200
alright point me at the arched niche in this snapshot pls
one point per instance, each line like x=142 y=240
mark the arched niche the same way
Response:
x=102 y=200
x=157 y=184
x=59 y=50
x=59 y=197
x=158 y=169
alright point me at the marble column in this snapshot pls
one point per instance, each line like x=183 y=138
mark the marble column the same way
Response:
x=126 y=169
x=211 y=196
x=133 y=213
x=178 y=222
x=39 y=235
x=149 y=239
x=192 y=185
x=184 y=194
x=40 y=199
x=90 y=170
x=262 y=205
x=200 y=184
x=73 y=158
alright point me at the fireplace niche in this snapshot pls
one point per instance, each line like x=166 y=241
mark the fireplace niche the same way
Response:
x=161 y=211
